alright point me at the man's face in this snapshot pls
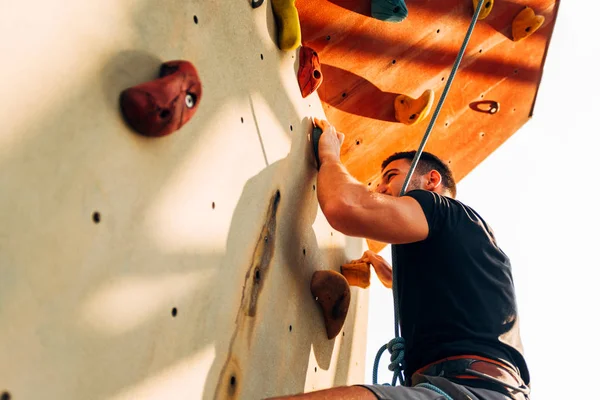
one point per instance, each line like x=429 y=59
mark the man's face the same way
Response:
x=394 y=176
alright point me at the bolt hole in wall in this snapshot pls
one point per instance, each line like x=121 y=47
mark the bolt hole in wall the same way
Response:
x=290 y=328
x=213 y=205
x=262 y=57
x=96 y=217
x=5 y=396
x=174 y=312
x=438 y=31
x=291 y=128
x=242 y=119
x=328 y=37
x=232 y=380
x=195 y=20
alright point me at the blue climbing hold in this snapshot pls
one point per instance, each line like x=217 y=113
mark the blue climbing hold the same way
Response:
x=389 y=10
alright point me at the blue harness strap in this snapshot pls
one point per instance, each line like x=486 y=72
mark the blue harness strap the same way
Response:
x=435 y=389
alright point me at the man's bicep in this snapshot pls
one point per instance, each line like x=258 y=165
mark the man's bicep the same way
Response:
x=396 y=220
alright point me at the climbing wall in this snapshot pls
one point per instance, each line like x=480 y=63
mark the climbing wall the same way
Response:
x=161 y=268
x=367 y=63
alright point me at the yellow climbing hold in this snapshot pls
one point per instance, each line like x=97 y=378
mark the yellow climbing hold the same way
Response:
x=357 y=274
x=288 y=24
x=526 y=23
x=486 y=8
x=411 y=111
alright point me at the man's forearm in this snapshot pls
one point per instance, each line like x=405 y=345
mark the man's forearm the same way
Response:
x=336 y=186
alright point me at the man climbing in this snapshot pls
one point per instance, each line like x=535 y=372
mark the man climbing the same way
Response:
x=458 y=311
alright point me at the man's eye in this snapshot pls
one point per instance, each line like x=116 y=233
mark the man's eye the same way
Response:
x=390 y=176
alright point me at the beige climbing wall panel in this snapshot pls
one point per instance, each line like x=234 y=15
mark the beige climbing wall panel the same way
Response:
x=123 y=259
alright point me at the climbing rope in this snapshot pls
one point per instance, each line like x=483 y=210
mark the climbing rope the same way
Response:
x=435 y=389
x=397 y=363
x=396 y=347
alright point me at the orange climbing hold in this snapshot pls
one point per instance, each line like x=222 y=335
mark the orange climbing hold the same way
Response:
x=332 y=292
x=357 y=274
x=486 y=9
x=411 y=111
x=526 y=23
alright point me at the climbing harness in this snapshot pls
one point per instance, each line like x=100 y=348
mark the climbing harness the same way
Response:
x=396 y=345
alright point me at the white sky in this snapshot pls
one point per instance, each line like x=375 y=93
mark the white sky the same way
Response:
x=539 y=191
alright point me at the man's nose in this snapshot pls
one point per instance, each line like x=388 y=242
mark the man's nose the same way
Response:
x=381 y=188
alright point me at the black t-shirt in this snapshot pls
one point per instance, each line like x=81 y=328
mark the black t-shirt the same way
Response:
x=456 y=289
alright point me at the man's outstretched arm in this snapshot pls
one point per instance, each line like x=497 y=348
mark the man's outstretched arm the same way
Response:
x=354 y=210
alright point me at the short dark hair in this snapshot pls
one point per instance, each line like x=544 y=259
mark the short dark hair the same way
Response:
x=427 y=162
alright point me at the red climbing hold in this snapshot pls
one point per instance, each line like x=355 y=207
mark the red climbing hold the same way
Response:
x=164 y=105
x=309 y=72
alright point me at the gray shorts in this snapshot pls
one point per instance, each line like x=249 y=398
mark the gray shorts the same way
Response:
x=421 y=393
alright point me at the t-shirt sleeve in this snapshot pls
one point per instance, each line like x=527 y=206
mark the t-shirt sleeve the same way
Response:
x=435 y=207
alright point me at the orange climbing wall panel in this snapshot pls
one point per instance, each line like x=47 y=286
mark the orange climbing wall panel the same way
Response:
x=366 y=63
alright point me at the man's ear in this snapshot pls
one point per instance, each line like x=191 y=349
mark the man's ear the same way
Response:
x=434 y=180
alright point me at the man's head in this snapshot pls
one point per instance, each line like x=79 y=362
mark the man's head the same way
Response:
x=431 y=174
